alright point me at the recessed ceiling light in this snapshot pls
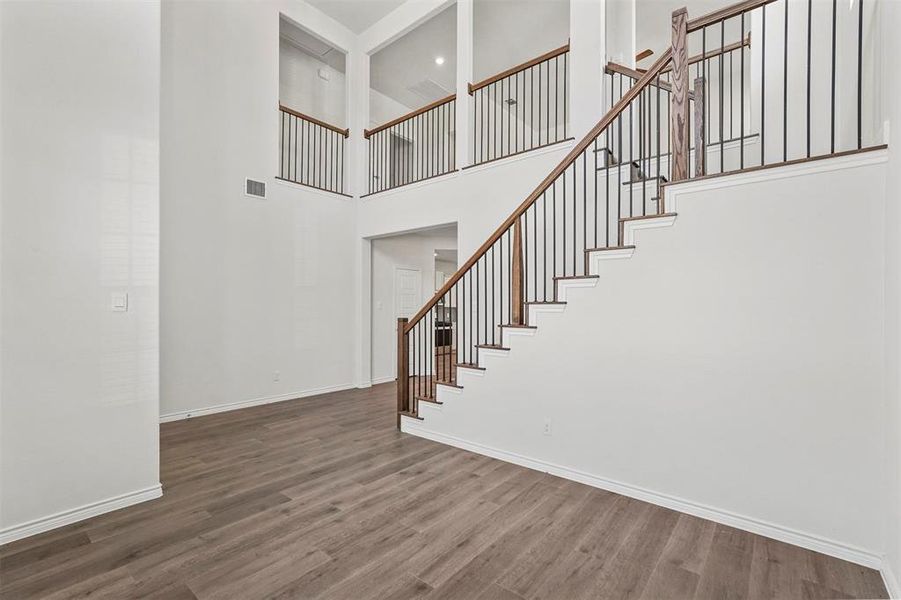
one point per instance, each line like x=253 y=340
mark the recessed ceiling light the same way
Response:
x=439 y=60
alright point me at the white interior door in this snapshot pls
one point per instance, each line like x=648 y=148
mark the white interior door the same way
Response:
x=407 y=298
x=407 y=292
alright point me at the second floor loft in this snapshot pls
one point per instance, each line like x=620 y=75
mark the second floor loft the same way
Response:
x=474 y=82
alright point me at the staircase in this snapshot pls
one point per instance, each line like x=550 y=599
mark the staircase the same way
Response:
x=614 y=182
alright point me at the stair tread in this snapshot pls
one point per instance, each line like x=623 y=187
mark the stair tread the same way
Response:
x=514 y=326
x=493 y=347
x=545 y=302
x=427 y=399
x=407 y=413
x=449 y=384
x=470 y=366
x=605 y=248
x=645 y=179
x=645 y=217
x=565 y=277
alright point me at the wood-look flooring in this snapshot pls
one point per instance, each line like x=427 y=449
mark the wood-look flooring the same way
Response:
x=323 y=498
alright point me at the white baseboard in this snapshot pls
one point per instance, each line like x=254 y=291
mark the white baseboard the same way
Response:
x=218 y=408
x=770 y=530
x=385 y=379
x=890 y=581
x=61 y=519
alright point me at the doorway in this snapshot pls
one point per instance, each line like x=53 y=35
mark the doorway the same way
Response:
x=406 y=269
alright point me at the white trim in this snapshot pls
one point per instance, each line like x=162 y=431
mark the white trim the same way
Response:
x=410 y=186
x=771 y=530
x=890 y=581
x=630 y=227
x=564 y=285
x=444 y=390
x=598 y=256
x=506 y=160
x=560 y=146
x=838 y=163
x=385 y=379
x=67 y=517
x=312 y=190
x=218 y=408
x=464 y=374
x=491 y=353
x=535 y=310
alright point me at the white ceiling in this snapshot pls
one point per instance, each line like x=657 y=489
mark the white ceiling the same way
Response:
x=449 y=255
x=408 y=64
x=356 y=15
x=506 y=33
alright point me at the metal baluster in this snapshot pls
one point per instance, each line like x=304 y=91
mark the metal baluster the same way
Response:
x=785 y=86
x=763 y=88
x=722 y=51
x=859 y=74
x=809 y=45
x=741 y=147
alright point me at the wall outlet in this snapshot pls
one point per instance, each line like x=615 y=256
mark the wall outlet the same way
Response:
x=277 y=376
x=119 y=301
x=547 y=427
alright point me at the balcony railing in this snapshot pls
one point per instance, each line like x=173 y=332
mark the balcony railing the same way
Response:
x=522 y=108
x=311 y=151
x=413 y=147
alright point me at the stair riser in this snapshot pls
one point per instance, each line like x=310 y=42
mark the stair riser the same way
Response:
x=563 y=287
x=537 y=314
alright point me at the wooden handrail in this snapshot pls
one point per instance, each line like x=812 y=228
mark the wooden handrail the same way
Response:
x=409 y=115
x=300 y=115
x=643 y=54
x=725 y=13
x=564 y=164
x=708 y=55
x=613 y=67
x=521 y=67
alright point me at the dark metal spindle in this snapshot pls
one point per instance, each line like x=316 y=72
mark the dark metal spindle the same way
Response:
x=763 y=88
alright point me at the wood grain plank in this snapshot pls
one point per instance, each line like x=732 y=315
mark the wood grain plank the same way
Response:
x=323 y=497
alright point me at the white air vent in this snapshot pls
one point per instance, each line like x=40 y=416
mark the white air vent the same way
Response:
x=254 y=188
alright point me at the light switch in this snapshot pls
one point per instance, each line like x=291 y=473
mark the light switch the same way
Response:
x=119 y=301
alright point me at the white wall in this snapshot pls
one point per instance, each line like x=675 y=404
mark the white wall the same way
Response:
x=510 y=32
x=383 y=109
x=409 y=251
x=301 y=87
x=892 y=507
x=80 y=204
x=620 y=31
x=731 y=368
x=249 y=287
x=477 y=199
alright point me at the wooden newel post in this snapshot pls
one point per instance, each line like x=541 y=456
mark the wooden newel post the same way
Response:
x=516 y=316
x=700 y=131
x=679 y=113
x=403 y=369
